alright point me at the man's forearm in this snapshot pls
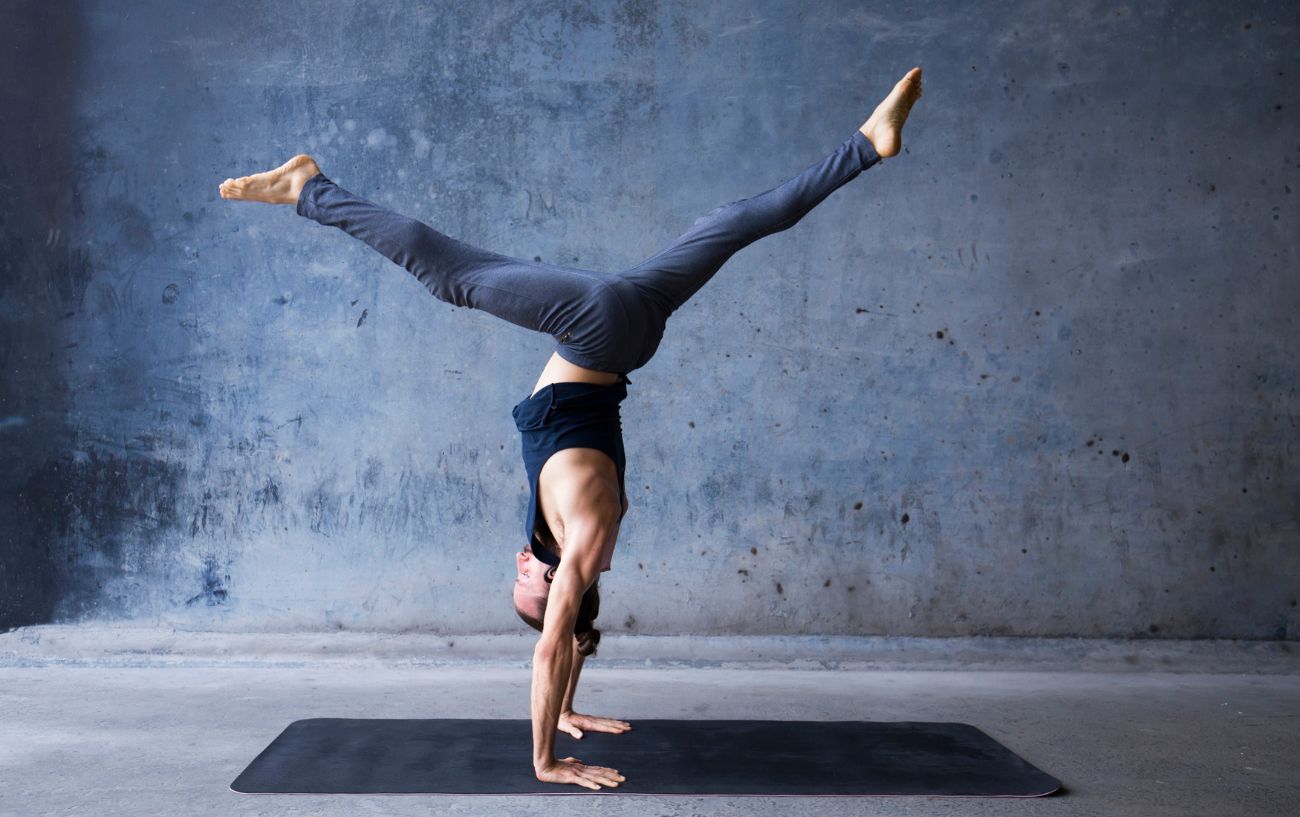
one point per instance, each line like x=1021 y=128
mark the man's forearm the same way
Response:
x=578 y=658
x=551 y=668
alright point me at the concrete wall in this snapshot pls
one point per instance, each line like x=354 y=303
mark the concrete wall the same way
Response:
x=1034 y=377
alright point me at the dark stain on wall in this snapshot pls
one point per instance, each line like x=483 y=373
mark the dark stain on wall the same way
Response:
x=42 y=278
x=214 y=585
x=88 y=513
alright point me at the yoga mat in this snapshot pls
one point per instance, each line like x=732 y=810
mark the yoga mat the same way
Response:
x=723 y=757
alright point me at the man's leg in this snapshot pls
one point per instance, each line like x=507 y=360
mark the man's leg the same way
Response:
x=453 y=271
x=677 y=272
x=534 y=296
x=674 y=274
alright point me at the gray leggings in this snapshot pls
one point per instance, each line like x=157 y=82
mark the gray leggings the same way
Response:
x=610 y=322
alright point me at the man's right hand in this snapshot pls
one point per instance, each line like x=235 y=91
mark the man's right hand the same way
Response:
x=572 y=770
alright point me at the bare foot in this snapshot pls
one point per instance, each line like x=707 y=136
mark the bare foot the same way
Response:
x=279 y=186
x=885 y=126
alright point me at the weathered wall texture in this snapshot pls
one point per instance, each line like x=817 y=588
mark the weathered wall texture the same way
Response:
x=1036 y=376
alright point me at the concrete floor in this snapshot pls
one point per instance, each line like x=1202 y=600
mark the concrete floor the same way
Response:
x=126 y=730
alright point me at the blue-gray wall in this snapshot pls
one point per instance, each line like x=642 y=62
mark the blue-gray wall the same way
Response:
x=1035 y=376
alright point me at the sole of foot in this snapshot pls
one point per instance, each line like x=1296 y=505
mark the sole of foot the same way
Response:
x=885 y=125
x=279 y=186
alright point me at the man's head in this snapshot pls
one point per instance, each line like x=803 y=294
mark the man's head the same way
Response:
x=533 y=588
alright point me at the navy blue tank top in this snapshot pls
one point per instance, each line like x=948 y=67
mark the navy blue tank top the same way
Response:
x=568 y=415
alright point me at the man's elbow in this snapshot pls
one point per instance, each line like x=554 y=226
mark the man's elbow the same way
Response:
x=551 y=650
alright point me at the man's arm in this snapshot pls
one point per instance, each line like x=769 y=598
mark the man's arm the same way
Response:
x=553 y=657
x=567 y=705
x=574 y=723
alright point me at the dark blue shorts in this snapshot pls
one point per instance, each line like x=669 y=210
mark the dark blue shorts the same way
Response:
x=609 y=322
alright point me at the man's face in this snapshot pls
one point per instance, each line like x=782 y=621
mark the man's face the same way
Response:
x=532 y=585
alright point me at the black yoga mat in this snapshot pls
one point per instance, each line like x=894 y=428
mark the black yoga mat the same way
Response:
x=464 y=756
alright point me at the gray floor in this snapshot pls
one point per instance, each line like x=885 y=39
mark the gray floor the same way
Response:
x=95 y=722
